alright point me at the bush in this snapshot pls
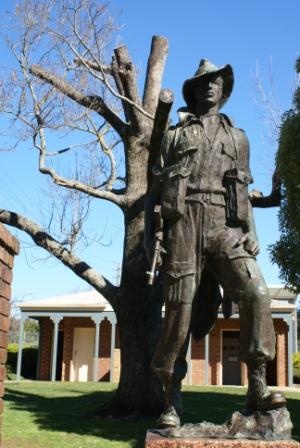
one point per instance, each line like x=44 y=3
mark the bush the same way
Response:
x=296 y=367
x=296 y=360
x=29 y=361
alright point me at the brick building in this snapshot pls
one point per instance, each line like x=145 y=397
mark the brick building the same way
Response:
x=79 y=342
x=9 y=248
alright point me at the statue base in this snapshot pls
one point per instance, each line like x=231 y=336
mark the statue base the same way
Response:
x=270 y=429
x=154 y=440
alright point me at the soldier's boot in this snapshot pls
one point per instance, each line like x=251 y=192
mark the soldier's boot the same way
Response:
x=170 y=417
x=259 y=398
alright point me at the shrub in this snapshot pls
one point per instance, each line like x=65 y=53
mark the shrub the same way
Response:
x=296 y=360
x=29 y=361
x=296 y=367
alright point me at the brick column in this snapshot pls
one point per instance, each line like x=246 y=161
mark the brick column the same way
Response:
x=9 y=247
x=282 y=362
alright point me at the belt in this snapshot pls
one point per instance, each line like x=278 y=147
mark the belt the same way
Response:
x=212 y=197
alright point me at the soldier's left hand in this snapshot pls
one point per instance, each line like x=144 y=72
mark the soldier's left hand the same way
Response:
x=250 y=244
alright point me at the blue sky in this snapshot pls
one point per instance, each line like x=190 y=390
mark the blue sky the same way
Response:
x=242 y=33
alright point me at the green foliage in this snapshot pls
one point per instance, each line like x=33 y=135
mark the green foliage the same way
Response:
x=31 y=330
x=31 y=326
x=296 y=360
x=29 y=361
x=13 y=348
x=296 y=368
x=286 y=251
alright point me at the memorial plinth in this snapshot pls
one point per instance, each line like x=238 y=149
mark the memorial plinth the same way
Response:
x=157 y=441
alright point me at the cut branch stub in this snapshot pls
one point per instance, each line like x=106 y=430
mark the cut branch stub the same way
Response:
x=127 y=74
x=165 y=102
x=119 y=85
x=155 y=69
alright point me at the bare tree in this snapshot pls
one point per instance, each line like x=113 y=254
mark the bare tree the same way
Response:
x=65 y=87
x=270 y=112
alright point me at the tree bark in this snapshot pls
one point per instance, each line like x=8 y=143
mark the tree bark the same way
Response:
x=138 y=311
x=155 y=69
x=165 y=102
x=139 y=322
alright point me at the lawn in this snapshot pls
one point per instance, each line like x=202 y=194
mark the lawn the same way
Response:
x=55 y=415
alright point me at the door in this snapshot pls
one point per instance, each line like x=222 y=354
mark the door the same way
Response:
x=231 y=362
x=83 y=353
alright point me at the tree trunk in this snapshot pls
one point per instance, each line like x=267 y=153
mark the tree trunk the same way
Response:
x=138 y=310
x=139 y=320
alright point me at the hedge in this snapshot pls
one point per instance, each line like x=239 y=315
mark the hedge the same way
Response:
x=29 y=361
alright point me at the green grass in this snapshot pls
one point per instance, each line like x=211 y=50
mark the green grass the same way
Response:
x=54 y=415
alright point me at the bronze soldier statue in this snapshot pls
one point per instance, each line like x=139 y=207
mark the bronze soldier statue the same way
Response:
x=201 y=183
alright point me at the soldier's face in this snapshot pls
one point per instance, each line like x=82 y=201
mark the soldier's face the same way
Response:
x=209 y=90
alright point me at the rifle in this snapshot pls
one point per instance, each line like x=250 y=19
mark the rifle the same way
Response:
x=158 y=237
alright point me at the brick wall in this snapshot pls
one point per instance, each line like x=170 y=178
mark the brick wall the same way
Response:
x=215 y=369
x=9 y=247
x=67 y=325
x=215 y=354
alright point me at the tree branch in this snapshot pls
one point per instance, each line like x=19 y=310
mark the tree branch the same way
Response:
x=47 y=242
x=93 y=102
x=69 y=183
x=74 y=184
x=112 y=70
x=94 y=66
x=155 y=68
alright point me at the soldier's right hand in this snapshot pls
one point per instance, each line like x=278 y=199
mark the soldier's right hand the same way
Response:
x=160 y=257
x=150 y=248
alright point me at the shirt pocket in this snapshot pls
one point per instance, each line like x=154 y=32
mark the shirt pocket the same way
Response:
x=174 y=191
x=229 y=151
x=188 y=141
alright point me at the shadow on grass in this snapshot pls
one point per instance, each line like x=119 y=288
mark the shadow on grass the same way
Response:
x=72 y=413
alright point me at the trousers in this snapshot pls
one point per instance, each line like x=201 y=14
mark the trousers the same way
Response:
x=203 y=241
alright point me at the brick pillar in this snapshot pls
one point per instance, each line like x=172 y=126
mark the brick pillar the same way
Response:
x=282 y=354
x=9 y=247
x=46 y=330
x=198 y=361
x=104 y=355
